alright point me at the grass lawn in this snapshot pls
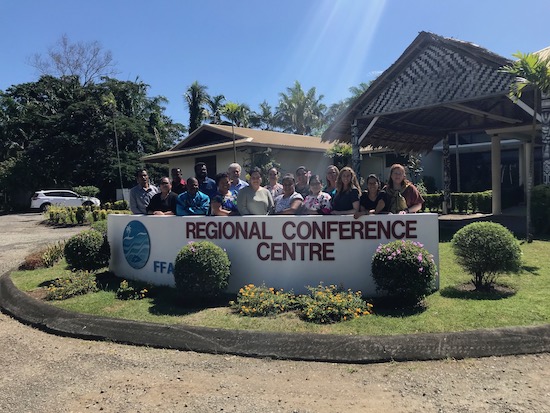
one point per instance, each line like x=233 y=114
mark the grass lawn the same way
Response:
x=524 y=303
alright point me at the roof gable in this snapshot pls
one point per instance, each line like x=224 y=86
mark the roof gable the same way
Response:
x=437 y=86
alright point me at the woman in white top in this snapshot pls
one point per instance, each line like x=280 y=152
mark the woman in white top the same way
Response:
x=317 y=202
x=290 y=201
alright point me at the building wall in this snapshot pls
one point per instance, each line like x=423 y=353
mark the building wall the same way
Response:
x=288 y=159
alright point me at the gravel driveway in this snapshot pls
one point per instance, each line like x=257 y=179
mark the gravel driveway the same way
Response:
x=46 y=373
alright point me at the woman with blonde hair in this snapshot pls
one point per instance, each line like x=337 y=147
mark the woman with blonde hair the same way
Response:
x=402 y=195
x=331 y=176
x=346 y=200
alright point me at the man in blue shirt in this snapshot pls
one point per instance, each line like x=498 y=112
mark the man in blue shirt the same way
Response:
x=234 y=172
x=206 y=185
x=192 y=202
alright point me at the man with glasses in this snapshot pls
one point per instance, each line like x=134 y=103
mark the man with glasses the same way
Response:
x=163 y=203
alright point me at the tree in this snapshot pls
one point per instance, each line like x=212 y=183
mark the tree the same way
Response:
x=65 y=133
x=533 y=70
x=196 y=97
x=215 y=105
x=238 y=115
x=87 y=60
x=299 y=112
x=265 y=119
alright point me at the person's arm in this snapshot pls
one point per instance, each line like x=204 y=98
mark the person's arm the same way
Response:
x=216 y=208
x=293 y=209
x=133 y=203
x=242 y=201
x=380 y=206
x=414 y=200
x=204 y=206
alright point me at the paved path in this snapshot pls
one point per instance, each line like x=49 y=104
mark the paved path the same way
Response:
x=41 y=372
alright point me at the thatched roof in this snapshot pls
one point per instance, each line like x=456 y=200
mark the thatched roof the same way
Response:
x=438 y=86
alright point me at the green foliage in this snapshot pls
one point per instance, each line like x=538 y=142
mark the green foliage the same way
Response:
x=330 y=304
x=201 y=270
x=485 y=250
x=100 y=226
x=340 y=153
x=53 y=253
x=57 y=215
x=88 y=250
x=54 y=121
x=117 y=205
x=259 y=301
x=540 y=209
x=433 y=202
x=73 y=284
x=300 y=112
x=45 y=257
x=128 y=292
x=528 y=69
x=404 y=270
x=323 y=305
x=88 y=190
x=429 y=184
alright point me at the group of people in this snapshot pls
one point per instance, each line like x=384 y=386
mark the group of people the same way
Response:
x=302 y=193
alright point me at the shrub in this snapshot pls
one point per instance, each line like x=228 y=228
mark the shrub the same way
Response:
x=88 y=250
x=100 y=226
x=75 y=283
x=53 y=253
x=128 y=292
x=540 y=207
x=485 y=250
x=88 y=190
x=32 y=261
x=262 y=301
x=201 y=270
x=330 y=304
x=404 y=270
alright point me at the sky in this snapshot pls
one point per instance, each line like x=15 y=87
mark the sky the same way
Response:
x=252 y=50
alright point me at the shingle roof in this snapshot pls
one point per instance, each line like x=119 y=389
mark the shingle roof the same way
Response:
x=437 y=86
x=210 y=138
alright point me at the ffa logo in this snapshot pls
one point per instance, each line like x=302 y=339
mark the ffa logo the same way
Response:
x=136 y=244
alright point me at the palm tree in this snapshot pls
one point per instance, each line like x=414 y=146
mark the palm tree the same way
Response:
x=238 y=115
x=264 y=119
x=299 y=112
x=533 y=70
x=215 y=105
x=196 y=96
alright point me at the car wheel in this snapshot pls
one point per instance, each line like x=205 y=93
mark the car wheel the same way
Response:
x=44 y=207
x=87 y=204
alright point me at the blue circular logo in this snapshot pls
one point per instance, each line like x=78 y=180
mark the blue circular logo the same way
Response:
x=136 y=244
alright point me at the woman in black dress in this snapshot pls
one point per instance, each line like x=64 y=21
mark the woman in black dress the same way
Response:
x=373 y=200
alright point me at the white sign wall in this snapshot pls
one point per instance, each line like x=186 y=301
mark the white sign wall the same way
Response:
x=289 y=252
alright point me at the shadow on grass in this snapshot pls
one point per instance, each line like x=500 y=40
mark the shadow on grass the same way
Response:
x=168 y=301
x=392 y=307
x=468 y=292
x=531 y=269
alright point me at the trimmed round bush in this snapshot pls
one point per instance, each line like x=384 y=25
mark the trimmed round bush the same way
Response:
x=88 y=250
x=201 y=270
x=404 y=270
x=485 y=250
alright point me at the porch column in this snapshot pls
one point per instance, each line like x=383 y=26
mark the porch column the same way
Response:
x=545 y=115
x=495 y=174
x=446 y=176
x=355 y=154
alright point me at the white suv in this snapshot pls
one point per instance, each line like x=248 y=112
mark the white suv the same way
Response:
x=43 y=199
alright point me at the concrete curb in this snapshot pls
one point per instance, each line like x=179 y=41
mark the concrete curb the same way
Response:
x=292 y=346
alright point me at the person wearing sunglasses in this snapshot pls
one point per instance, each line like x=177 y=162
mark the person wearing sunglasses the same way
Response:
x=164 y=202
